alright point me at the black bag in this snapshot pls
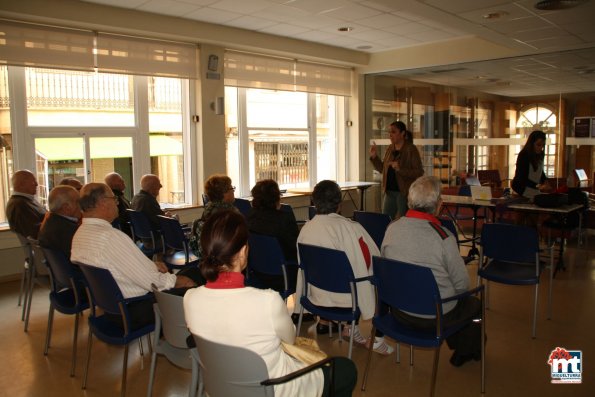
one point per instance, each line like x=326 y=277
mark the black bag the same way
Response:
x=551 y=200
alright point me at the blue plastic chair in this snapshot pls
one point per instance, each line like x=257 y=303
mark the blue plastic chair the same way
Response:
x=67 y=295
x=266 y=256
x=177 y=253
x=450 y=225
x=510 y=255
x=103 y=292
x=243 y=205
x=311 y=212
x=375 y=224
x=412 y=288
x=37 y=274
x=148 y=240
x=328 y=269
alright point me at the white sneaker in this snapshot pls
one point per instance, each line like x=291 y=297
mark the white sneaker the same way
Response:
x=381 y=347
x=357 y=337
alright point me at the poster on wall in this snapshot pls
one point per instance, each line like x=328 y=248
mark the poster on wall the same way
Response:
x=582 y=127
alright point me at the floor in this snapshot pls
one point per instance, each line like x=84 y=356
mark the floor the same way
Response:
x=516 y=364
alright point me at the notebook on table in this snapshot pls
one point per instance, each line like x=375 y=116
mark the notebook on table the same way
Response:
x=481 y=193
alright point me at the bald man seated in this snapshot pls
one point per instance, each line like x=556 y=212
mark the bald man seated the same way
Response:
x=98 y=244
x=63 y=219
x=146 y=200
x=117 y=184
x=23 y=211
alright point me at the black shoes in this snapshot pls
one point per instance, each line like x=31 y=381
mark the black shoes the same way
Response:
x=323 y=329
x=459 y=359
x=307 y=317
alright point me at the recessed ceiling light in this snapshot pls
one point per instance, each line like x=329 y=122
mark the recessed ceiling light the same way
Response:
x=345 y=29
x=495 y=15
x=557 y=4
x=363 y=47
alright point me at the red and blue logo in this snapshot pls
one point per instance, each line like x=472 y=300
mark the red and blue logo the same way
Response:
x=566 y=365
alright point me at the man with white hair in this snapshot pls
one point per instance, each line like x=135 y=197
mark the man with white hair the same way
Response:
x=117 y=184
x=23 y=211
x=420 y=239
x=63 y=219
x=146 y=200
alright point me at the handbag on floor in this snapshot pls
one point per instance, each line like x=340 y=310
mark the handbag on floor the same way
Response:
x=305 y=350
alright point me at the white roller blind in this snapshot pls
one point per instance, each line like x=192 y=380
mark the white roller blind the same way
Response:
x=322 y=79
x=24 y=44
x=130 y=55
x=261 y=71
x=255 y=71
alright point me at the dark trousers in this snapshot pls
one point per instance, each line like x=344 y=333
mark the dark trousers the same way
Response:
x=141 y=314
x=344 y=379
x=464 y=342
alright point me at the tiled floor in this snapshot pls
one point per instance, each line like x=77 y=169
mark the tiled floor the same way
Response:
x=516 y=364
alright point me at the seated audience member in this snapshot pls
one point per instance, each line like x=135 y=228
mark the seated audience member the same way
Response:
x=220 y=192
x=98 y=244
x=330 y=230
x=23 y=211
x=260 y=315
x=419 y=238
x=146 y=200
x=267 y=218
x=58 y=229
x=75 y=183
x=117 y=184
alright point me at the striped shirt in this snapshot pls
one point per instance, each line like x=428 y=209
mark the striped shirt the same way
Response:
x=98 y=244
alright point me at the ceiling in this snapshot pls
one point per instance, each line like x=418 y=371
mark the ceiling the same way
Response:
x=383 y=25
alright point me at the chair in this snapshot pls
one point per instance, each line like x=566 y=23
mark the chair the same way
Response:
x=412 y=288
x=66 y=295
x=103 y=292
x=328 y=269
x=265 y=256
x=450 y=225
x=236 y=371
x=25 y=274
x=175 y=243
x=375 y=224
x=311 y=212
x=145 y=237
x=489 y=178
x=170 y=322
x=243 y=206
x=38 y=274
x=510 y=255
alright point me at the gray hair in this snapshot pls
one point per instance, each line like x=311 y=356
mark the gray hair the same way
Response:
x=60 y=195
x=424 y=194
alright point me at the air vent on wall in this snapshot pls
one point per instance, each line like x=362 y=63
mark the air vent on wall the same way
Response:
x=558 y=4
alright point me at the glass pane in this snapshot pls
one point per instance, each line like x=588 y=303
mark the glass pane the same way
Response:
x=326 y=137
x=68 y=98
x=56 y=159
x=5 y=143
x=111 y=154
x=166 y=137
x=231 y=135
x=276 y=109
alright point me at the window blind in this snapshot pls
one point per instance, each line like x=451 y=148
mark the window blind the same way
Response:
x=43 y=46
x=267 y=72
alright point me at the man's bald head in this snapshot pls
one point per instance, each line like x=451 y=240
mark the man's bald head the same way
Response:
x=151 y=184
x=115 y=181
x=64 y=200
x=24 y=181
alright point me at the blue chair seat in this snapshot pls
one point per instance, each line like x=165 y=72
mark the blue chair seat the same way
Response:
x=65 y=301
x=332 y=313
x=109 y=332
x=509 y=273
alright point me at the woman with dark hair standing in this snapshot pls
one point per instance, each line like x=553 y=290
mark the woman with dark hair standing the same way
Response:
x=226 y=312
x=529 y=176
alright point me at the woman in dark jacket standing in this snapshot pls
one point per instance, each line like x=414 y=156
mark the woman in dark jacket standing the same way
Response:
x=529 y=176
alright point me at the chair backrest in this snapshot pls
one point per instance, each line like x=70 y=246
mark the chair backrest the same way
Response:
x=510 y=243
x=205 y=199
x=465 y=190
x=326 y=268
x=39 y=262
x=173 y=322
x=489 y=177
x=26 y=245
x=104 y=290
x=375 y=224
x=141 y=227
x=230 y=370
x=61 y=269
x=449 y=224
x=407 y=287
x=172 y=232
x=311 y=212
x=265 y=254
x=286 y=207
x=243 y=206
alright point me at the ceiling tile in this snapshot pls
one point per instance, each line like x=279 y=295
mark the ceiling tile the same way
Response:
x=314 y=21
x=241 y=6
x=381 y=21
x=168 y=7
x=119 y=3
x=252 y=23
x=318 y=6
x=316 y=36
x=555 y=42
x=212 y=15
x=407 y=28
x=352 y=12
x=537 y=34
x=510 y=26
x=385 y=6
x=284 y=29
x=199 y=2
x=281 y=13
x=372 y=35
x=461 y=6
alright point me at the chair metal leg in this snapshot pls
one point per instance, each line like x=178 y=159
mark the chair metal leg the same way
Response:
x=48 y=333
x=434 y=371
x=152 y=373
x=23 y=277
x=351 y=340
x=549 y=299
x=398 y=353
x=124 y=371
x=368 y=360
x=74 y=343
x=88 y=360
x=30 y=300
x=26 y=291
x=483 y=344
x=535 y=310
x=299 y=325
x=411 y=355
x=149 y=343
x=140 y=346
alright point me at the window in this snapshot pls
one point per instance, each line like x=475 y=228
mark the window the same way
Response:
x=291 y=137
x=6 y=144
x=85 y=125
x=540 y=117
